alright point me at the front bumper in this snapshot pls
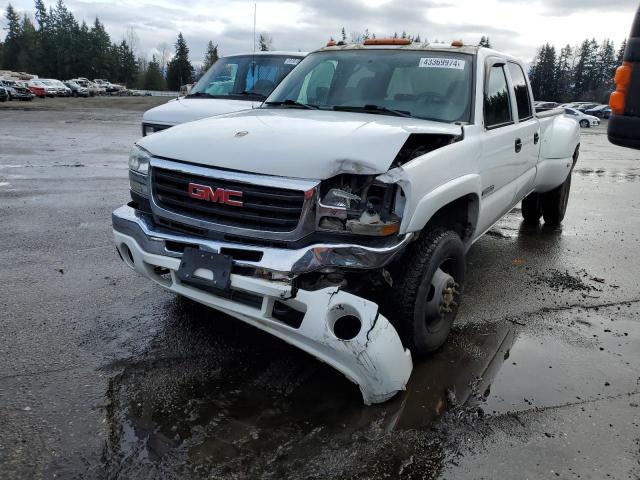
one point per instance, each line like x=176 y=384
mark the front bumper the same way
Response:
x=140 y=226
x=374 y=358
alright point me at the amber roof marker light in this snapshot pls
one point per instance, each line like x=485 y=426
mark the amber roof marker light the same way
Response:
x=387 y=41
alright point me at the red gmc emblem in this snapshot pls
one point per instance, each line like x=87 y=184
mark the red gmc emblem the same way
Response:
x=219 y=195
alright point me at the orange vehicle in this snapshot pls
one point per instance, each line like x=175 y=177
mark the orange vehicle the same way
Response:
x=624 y=125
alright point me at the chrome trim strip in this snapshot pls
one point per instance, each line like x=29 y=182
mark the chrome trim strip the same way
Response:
x=138 y=225
x=252 y=179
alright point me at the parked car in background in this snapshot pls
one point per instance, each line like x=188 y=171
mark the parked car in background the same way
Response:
x=54 y=88
x=4 y=94
x=600 y=111
x=8 y=86
x=62 y=88
x=583 y=107
x=583 y=119
x=93 y=88
x=543 y=106
x=109 y=87
x=233 y=83
x=42 y=89
x=76 y=89
x=21 y=92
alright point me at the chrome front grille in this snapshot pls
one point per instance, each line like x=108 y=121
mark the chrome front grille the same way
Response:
x=264 y=208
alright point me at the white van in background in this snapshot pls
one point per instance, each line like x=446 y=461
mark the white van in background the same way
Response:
x=233 y=83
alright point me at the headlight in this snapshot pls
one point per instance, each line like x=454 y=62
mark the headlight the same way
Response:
x=358 y=204
x=139 y=160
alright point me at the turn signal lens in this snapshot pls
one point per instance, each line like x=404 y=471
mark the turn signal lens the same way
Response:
x=618 y=98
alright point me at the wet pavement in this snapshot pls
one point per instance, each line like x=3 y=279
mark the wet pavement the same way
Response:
x=103 y=375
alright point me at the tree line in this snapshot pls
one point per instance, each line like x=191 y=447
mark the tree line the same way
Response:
x=56 y=45
x=582 y=73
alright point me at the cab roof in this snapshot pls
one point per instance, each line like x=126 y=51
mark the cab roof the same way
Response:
x=475 y=50
x=270 y=53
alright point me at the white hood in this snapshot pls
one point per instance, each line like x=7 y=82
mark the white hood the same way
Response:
x=311 y=144
x=183 y=110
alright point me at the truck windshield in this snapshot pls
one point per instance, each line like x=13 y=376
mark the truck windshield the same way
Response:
x=431 y=85
x=244 y=77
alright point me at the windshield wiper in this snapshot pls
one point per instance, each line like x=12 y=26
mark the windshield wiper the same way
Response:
x=372 y=109
x=199 y=94
x=292 y=103
x=251 y=94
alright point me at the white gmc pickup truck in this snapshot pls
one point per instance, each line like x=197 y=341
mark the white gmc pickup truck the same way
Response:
x=337 y=215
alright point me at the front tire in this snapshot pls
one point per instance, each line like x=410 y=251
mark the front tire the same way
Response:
x=428 y=279
x=584 y=123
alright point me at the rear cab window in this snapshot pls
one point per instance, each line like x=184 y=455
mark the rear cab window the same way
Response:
x=521 y=92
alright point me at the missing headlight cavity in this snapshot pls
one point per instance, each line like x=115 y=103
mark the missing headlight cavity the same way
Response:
x=419 y=144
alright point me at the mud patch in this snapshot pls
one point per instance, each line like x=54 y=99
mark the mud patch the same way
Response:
x=564 y=281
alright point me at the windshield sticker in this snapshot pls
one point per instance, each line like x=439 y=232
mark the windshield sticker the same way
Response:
x=292 y=61
x=432 y=62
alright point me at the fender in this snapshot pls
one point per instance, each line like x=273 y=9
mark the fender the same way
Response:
x=439 y=197
x=560 y=136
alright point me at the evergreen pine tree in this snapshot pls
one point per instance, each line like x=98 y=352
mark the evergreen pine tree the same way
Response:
x=620 y=56
x=179 y=70
x=564 y=68
x=484 y=42
x=153 y=79
x=211 y=56
x=28 y=55
x=12 y=40
x=344 y=35
x=543 y=73
x=264 y=42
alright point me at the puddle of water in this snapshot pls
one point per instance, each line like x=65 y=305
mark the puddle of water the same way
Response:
x=610 y=175
x=549 y=369
x=225 y=398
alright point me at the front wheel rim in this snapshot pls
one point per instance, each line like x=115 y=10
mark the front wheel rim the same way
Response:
x=441 y=299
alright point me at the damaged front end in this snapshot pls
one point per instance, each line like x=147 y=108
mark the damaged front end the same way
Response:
x=311 y=309
x=315 y=284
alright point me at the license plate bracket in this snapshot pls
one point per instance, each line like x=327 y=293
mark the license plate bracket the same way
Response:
x=213 y=269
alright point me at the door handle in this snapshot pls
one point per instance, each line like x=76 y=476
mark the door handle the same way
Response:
x=536 y=138
x=518 y=145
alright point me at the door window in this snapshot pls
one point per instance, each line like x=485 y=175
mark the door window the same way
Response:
x=497 y=105
x=523 y=102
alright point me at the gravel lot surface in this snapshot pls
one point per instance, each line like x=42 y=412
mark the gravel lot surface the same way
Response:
x=104 y=375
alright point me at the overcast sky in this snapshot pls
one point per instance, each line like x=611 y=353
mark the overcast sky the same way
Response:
x=515 y=26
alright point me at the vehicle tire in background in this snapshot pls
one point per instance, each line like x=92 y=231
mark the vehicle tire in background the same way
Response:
x=427 y=281
x=584 y=123
x=532 y=208
x=554 y=203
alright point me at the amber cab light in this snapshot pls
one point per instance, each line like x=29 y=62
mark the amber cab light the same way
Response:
x=387 y=41
x=331 y=43
x=457 y=43
x=618 y=98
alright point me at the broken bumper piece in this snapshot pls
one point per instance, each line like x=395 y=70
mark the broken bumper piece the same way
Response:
x=338 y=328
